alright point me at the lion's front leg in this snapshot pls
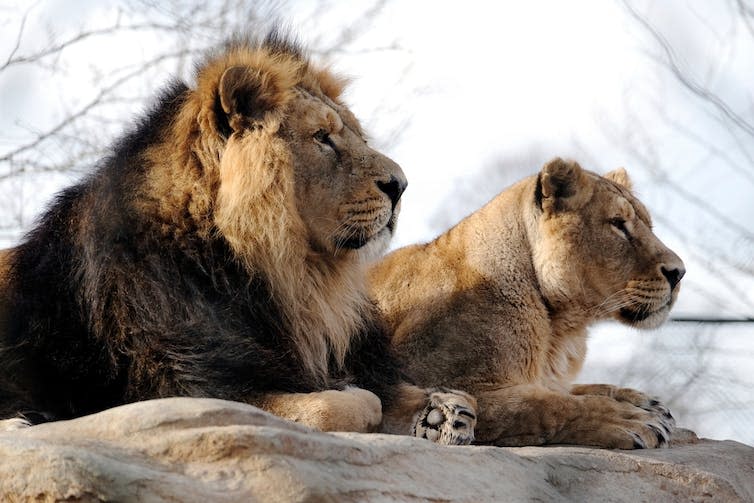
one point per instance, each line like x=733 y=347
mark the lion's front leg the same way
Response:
x=352 y=409
x=534 y=415
x=440 y=415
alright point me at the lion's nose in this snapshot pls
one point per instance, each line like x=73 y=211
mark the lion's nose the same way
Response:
x=393 y=188
x=673 y=275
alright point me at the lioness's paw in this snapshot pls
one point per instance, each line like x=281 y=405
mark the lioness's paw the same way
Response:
x=651 y=404
x=626 y=434
x=449 y=418
x=606 y=421
x=647 y=429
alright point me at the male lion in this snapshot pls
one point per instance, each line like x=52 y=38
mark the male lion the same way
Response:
x=219 y=251
x=499 y=306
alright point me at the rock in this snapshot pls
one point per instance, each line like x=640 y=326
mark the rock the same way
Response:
x=204 y=450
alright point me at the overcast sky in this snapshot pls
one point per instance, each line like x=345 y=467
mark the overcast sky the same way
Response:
x=453 y=90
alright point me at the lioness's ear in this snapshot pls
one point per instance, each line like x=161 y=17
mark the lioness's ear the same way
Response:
x=620 y=177
x=562 y=185
x=247 y=94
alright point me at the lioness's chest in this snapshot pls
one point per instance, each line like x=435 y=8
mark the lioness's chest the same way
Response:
x=563 y=360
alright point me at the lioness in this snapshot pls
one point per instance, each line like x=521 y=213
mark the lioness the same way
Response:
x=499 y=306
x=219 y=251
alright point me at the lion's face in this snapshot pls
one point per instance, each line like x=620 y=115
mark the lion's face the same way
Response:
x=295 y=150
x=347 y=193
x=601 y=236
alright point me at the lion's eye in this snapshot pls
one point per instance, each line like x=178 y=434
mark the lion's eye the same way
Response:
x=323 y=137
x=619 y=224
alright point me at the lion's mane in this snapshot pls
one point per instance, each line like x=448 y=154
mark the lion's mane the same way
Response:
x=180 y=266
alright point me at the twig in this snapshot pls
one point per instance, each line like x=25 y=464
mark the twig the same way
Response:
x=687 y=82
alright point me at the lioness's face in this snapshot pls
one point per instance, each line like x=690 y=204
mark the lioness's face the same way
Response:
x=640 y=276
x=346 y=192
x=615 y=264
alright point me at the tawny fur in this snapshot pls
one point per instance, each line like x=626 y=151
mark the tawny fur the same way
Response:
x=5 y=256
x=500 y=305
x=4 y=266
x=220 y=251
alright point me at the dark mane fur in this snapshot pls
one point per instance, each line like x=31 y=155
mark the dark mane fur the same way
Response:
x=104 y=307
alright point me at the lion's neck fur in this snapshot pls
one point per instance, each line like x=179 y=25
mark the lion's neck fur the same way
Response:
x=322 y=297
x=247 y=185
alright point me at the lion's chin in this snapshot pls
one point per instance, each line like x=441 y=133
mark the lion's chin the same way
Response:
x=353 y=243
x=371 y=248
x=643 y=317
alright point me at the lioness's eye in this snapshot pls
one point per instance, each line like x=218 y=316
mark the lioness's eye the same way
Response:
x=619 y=224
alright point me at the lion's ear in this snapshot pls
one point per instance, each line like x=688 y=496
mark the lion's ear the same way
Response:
x=620 y=177
x=247 y=94
x=562 y=185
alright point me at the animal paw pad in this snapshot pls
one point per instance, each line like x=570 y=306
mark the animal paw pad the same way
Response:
x=449 y=418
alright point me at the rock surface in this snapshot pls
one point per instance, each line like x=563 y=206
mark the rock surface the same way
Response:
x=204 y=450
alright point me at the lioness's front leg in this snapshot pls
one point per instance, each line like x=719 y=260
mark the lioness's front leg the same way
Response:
x=632 y=396
x=352 y=409
x=440 y=415
x=534 y=415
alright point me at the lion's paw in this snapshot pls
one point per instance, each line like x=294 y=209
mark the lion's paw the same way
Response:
x=449 y=418
x=351 y=409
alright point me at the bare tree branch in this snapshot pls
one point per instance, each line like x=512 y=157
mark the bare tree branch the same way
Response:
x=671 y=63
x=79 y=37
x=747 y=14
x=98 y=100
x=75 y=140
x=19 y=35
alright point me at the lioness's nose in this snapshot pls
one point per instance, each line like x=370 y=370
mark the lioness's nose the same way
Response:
x=673 y=274
x=393 y=188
